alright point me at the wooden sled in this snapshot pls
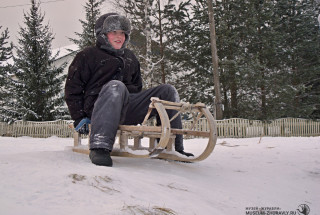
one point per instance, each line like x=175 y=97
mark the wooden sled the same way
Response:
x=164 y=149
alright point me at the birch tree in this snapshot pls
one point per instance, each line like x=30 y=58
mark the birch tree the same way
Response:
x=153 y=27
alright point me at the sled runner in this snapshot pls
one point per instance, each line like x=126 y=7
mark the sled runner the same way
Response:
x=161 y=138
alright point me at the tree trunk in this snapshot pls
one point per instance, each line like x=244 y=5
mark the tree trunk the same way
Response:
x=163 y=75
x=148 y=45
x=216 y=81
x=227 y=111
x=234 y=99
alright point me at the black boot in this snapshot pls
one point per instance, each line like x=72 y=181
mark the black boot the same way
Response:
x=186 y=153
x=100 y=157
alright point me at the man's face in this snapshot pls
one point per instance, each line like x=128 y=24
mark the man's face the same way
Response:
x=116 y=38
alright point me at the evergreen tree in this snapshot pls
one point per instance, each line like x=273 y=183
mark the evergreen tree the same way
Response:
x=6 y=113
x=264 y=83
x=142 y=35
x=88 y=36
x=268 y=55
x=259 y=76
x=301 y=47
x=38 y=82
x=196 y=84
x=172 y=24
x=152 y=37
x=230 y=23
x=5 y=55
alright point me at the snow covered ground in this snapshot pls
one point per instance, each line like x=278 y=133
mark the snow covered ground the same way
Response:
x=242 y=176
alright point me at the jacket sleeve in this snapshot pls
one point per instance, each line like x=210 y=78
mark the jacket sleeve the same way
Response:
x=136 y=82
x=74 y=88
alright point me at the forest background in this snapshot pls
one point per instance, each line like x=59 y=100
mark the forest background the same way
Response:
x=268 y=51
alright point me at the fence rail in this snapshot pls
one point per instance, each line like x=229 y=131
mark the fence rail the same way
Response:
x=57 y=128
x=234 y=127
x=285 y=127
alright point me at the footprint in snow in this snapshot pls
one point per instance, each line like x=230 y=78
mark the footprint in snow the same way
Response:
x=102 y=183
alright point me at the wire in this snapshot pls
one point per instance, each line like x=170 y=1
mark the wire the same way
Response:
x=21 y=5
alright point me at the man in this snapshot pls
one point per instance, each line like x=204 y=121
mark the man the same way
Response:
x=104 y=86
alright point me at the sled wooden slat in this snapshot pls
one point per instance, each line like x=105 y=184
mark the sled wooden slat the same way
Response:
x=158 y=129
x=139 y=128
x=191 y=132
x=161 y=138
x=210 y=146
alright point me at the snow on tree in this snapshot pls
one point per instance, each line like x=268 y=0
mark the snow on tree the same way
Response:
x=6 y=113
x=38 y=83
x=88 y=37
x=139 y=13
x=268 y=53
x=152 y=37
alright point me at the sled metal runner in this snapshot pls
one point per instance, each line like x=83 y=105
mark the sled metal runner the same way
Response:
x=164 y=149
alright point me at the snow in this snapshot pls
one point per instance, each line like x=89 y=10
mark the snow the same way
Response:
x=43 y=176
x=7 y=62
x=63 y=51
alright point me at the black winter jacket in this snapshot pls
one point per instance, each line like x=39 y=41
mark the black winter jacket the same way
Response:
x=90 y=70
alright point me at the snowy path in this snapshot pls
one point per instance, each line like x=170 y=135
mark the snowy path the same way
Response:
x=42 y=176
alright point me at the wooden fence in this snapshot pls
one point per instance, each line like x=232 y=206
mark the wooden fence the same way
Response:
x=237 y=128
x=57 y=128
x=240 y=128
x=286 y=127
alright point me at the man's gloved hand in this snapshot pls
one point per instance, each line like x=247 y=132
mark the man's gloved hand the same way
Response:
x=83 y=126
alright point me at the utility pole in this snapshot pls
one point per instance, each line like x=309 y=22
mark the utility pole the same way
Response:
x=216 y=79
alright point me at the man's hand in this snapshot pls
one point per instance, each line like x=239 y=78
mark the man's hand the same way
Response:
x=83 y=126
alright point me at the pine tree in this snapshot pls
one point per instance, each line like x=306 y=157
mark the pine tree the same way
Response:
x=169 y=29
x=272 y=47
x=5 y=54
x=268 y=55
x=152 y=37
x=140 y=13
x=88 y=37
x=241 y=52
x=263 y=83
x=230 y=21
x=6 y=113
x=196 y=84
x=38 y=83
x=301 y=48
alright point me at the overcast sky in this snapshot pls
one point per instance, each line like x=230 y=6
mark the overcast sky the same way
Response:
x=62 y=15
